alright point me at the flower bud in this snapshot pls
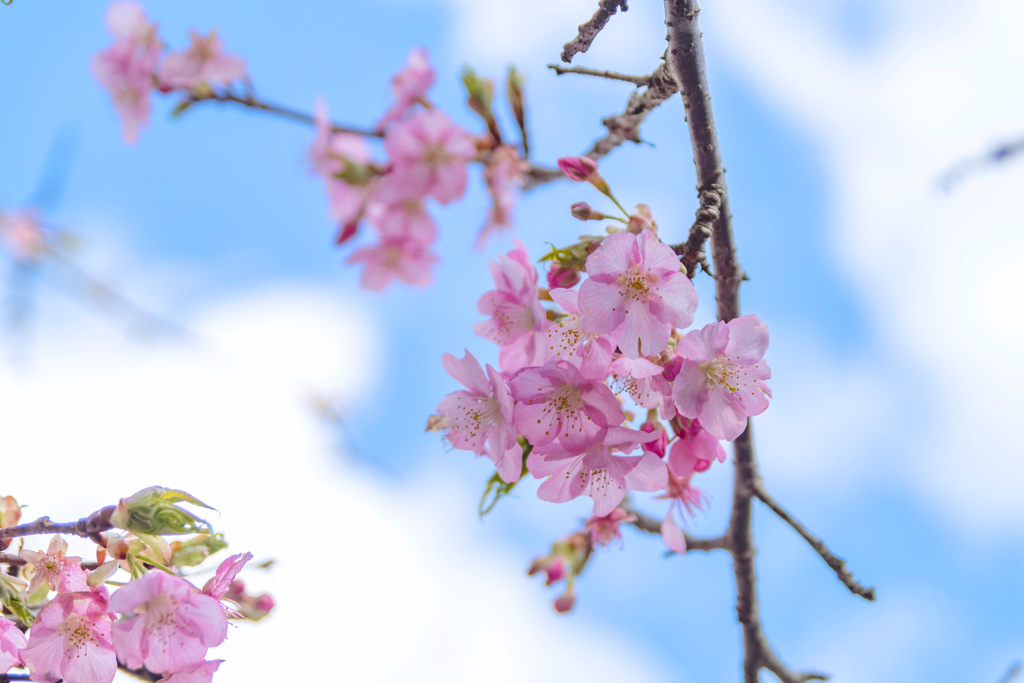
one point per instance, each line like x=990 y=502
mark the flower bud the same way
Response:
x=583 y=211
x=659 y=445
x=153 y=512
x=562 y=277
x=642 y=220
x=579 y=169
x=10 y=513
x=565 y=603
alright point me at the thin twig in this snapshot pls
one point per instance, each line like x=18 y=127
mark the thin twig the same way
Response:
x=1002 y=153
x=837 y=565
x=85 y=527
x=638 y=81
x=18 y=560
x=589 y=30
x=653 y=526
x=249 y=100
x=621 y=127
x=1012 y=673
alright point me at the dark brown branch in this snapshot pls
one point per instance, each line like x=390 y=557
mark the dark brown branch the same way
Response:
x=249 y=100
x=691 y=252
x=621 y=127
x=685 y=58
x=589 y=30
x=653 y=526
x=837 y=565
x=141 y=674
x=85 y=527
x=638 y=81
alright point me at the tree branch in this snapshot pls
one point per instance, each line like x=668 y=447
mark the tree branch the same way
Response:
x=85 y=527
x=18 y=560
x=837 y=565
x=589 y=30
x=691 y=252
x=638 y=81
x=621 y=127
x=653 y=526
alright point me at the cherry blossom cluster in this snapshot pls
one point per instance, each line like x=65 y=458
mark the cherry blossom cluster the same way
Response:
x=578 y=364
x=61 y=622
x=426 y=154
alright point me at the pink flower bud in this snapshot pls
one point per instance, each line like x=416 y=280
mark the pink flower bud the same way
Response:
x=562 y=277
x=578 y=168
x=657 y=447
x=642 y=220
x=556 y=571
x=672 y=368
x=564 y=603
x=582 y=211
x=347 y=232
x=701 y=465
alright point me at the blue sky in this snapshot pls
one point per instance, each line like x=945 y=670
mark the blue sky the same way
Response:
x=894 y=335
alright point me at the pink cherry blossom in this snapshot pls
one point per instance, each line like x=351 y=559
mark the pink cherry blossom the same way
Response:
x=554 y=566
x=643 y=380
x=203 y=63
x=557 y=401
x=169 y=625
x=480 y=417
x=12 y=641
x=685 y=498
x=694 y=450
x=504 y=178
x=567 y=340
x=62 y=573
x=636 y=292
x=429 y=155
x=203 y=673
x=330 y=153
x=22 y=235
x=70 y=640
x=603 y=530
x=409 y=86
x=225 y=574
x=517 y=317
x=127 y=70
x=396 y=216
x=128 y=22
x=721 y=379
x=659 y=445
x=596 y=472
x=407 y=260
x=562 y=277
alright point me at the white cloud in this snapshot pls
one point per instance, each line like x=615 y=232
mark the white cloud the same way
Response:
x=375 y=581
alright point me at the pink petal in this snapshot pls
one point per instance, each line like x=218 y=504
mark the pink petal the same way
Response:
x=673 y=536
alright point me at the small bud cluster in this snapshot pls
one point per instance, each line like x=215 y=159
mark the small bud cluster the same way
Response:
x=61 y=623
x=572 y=377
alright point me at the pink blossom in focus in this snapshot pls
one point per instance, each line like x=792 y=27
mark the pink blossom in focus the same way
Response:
x=406 y=260
x=12 y=641
x=558 y=402
x=225 y=574
x=203 y=673
x=504 y=177
x=517 y=317
x=203 y=63
x=636 y=292
x=409 y=86
x=604 y=529
x=596 y=472
x=429 y=155
x=70 y=640
x=481 y=416
x=169 y=625
x=694 y=450
x=686 y=498
x=63 y=574
x=22 y=236
x=578 y=168
x=721 y=380
x=643 y=380
x=567 y=340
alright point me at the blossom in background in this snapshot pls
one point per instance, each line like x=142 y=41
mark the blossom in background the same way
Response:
x=480 y=418
x=636 y=292
x=391 y=258
x=517 y=318
x=70 y=639
x=597 y=472
x=22 y=235
x=603 y=530
x=684 y=499
x=12 y=641
x=203 y=63
x=54 y=567
x=409 y=86
x=168 y=625
x=202 y=673
x=504 y=177
x=429 y=155
x=721 y=379
x=332 y=154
